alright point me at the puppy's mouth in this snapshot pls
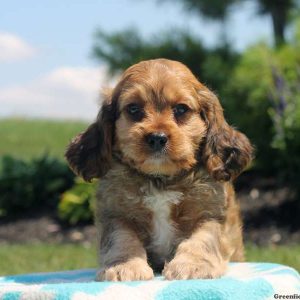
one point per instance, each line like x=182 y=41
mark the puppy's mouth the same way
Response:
x=157 y=159
x=157 y=163
x=161 y=155
x=161 y=164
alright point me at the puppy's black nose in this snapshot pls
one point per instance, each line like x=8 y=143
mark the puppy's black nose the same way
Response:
x=156 y=141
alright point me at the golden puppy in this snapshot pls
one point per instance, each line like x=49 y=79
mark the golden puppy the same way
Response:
x=166 y=158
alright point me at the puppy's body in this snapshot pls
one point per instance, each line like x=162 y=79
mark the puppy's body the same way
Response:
x=166 y=158
x=164 y=212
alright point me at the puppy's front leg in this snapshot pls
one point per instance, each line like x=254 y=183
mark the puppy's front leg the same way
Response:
x=122 y=254
x=203 y=255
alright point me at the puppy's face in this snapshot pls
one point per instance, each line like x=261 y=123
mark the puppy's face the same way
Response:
x=160 y=120
x=159 y=127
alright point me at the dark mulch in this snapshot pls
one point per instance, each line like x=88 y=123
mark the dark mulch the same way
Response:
x=44 y=226
x=269 y=214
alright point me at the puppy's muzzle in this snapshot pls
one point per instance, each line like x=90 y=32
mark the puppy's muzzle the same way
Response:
x=156 y=141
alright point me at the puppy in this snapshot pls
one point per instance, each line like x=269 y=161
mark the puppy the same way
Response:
x=166 y=158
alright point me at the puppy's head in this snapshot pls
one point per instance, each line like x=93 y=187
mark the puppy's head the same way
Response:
x=161 y=121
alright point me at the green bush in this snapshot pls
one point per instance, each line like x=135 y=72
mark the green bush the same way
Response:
x=32 y=184
x=77 y=204
x=263 y=98
x=247 y=103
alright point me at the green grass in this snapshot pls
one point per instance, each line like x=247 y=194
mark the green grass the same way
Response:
x=17 y=259
x=288 y=255
x=27 y=138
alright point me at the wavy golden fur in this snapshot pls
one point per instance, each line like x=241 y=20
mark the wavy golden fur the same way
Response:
x=166 y=158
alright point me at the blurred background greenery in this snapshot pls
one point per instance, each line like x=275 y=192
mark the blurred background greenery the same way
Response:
x=259 y=88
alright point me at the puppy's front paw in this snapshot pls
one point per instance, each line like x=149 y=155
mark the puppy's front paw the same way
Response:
x=187 y=268
x=132 y=270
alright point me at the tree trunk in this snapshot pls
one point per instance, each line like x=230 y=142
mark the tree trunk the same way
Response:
x=279 y=20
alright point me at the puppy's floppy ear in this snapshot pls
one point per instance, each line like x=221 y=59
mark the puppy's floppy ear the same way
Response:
x=226 y=151
x=89 y=153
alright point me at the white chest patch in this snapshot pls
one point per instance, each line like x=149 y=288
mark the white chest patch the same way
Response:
x=160 y=203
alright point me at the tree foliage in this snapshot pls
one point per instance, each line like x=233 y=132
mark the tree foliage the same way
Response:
x=122 y=49
x=214 y=9
x=278 y=10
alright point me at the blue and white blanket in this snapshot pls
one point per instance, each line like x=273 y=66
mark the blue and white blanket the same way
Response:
x=242 y=281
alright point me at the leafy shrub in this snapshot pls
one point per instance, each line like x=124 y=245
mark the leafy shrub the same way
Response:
x=247 y=103
x=263 y=98
x=285 y=113
x=33 y=184
x=77 y=204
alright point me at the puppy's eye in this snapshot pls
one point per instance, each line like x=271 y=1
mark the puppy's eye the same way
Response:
x=135 y=111
x=132 y=109
x=179 y=110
